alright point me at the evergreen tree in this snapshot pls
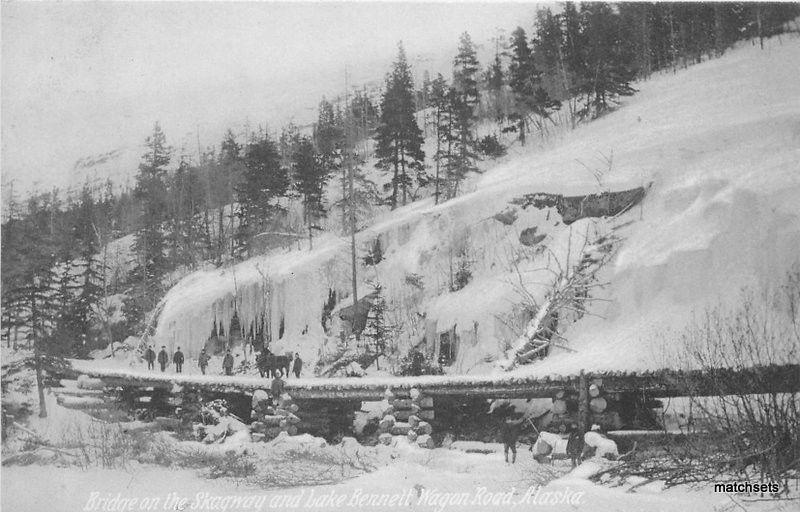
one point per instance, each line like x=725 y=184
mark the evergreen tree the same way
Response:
x=265 y=181
x=328 y=132
x=14 y=263
x=229 y=176
x=186 y=198
x=463 y=97
x=376 y=329
x=91 y=271
x=329 y=137
x=37 y=285
x=495 y=78
x=149 y=242
x=361 y=200
x=461 y=155
x=399 y=138
x=525 y=80
x=608 y=69
x=310 y=176
x=465 y=72
x=440 y=103
x=288 y=142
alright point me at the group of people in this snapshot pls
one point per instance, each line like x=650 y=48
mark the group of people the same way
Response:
x=574 y=444
x=265 y=361
x=163 y=359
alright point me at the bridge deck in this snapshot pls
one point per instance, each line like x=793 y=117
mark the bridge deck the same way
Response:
x=662 y=383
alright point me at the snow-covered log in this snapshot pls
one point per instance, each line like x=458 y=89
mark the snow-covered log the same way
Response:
x=598 y=404
x=81 y=402
x=78 y=392
x=272 y=420
x=86 y=382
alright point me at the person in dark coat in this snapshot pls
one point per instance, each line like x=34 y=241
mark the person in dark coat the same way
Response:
x=150 y=357
x=509 y=433
x=178 y=358
x=163 y=358
x=277 y=388
x=202 y=361
x=575 y=445
x=227 y=363
x=298 y=365
x=261 y=363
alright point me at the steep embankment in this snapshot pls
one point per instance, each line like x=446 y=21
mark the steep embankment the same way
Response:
x=719 y=144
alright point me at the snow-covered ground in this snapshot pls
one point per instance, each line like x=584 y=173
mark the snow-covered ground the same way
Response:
x=464 y=476
x=450 y=480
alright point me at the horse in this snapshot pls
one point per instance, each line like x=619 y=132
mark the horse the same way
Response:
x=269 y=364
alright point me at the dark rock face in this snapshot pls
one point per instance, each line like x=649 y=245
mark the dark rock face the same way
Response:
x=573 y=208
x=529 y=237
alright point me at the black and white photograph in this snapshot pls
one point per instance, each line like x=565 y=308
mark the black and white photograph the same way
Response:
x=418 y=256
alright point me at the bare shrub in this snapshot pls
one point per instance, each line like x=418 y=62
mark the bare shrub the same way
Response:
x=747 y=403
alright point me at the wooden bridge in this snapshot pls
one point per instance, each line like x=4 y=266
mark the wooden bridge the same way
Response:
x=656 y=384
x=423 y=404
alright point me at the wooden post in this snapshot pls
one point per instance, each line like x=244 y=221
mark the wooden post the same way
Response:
x=583 y=403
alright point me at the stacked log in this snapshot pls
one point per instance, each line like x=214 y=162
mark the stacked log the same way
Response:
x=270 y=420
x=83 y=394
x=404 y=416
x=599 y=407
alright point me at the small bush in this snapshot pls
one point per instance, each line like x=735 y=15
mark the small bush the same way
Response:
x=491 y=146
x=416 y=363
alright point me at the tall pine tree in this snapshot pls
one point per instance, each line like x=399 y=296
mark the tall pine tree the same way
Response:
x=399 y=138
x=310 y=176
x=265 y=181
x=149 y=243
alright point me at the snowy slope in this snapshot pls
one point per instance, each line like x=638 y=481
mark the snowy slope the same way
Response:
x=721 y=144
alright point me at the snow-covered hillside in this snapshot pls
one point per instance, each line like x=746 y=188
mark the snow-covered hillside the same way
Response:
x=720 y=143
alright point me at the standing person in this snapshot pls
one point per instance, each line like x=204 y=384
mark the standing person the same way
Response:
x=177 y=358
x=261 y=362
x=163 y=358
x=575 y=445
x=297 y=367
x=227 y=363
x=277 y=387
x=509 y=432
x=150 y=357
x=202 y=361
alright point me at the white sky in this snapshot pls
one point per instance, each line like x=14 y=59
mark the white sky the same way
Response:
x=82 y=79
